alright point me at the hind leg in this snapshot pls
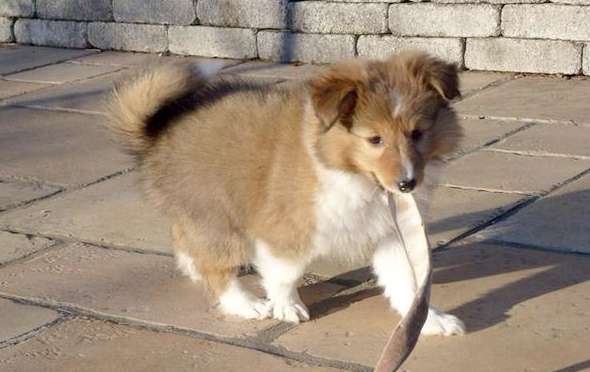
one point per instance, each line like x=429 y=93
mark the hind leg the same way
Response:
x=201 y=256
x=280 y=278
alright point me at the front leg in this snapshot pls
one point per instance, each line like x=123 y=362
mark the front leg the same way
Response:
x=279 y=278
x=396 y=275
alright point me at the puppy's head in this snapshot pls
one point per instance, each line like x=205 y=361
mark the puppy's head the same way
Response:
x=386 y=119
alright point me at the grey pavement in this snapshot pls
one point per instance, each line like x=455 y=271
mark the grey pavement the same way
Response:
x=87 y=278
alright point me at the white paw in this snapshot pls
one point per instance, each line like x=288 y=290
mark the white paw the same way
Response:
x=289 y=311
x=236 y=301
x=253 y=308
x=442 y=324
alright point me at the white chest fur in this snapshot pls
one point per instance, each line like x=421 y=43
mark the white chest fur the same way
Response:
x=351 y=216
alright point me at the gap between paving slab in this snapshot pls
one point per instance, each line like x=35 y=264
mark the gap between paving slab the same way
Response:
x=103 y=346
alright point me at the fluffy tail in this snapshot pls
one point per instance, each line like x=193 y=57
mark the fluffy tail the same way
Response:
x=134 y=104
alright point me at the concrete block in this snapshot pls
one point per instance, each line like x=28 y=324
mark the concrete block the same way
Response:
x=546 y=21
x=490 y=1
x=368 y=1
x=6 y=30
x=522 y=55
x=51 y=33
x=326 y=17
x=383 y=46
x=175 y=12
x=213 y=41
x=127 y=36
x=83 y=10
x=586 y=59
x=444 y=20
x=243 y=13
x=314 y=48
x=578 y=2
x=17 y=8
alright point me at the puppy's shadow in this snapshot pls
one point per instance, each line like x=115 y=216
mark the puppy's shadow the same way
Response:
x=524 y=274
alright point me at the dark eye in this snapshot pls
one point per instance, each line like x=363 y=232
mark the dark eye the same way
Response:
x=416 y=135
x=375 y=140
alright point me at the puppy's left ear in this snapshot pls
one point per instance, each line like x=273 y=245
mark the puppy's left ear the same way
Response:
x=444 y=79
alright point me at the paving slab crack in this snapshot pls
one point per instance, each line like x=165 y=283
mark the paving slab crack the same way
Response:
x=73 y=240
x=53 y=84
x=514 y=209
x=243 y=342
x=487 y=189
x=534 y=247
x=56 y=109
x=533 y=153
x=55 y=245
x=491 y=142
x=88 y=52
x=62 y=189
x=523 y=119
x=33 y=332
x=493 y=84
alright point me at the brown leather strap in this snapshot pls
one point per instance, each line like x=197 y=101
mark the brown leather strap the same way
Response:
x=412 y=236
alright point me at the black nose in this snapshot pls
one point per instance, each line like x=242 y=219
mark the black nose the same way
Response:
x=406 y=185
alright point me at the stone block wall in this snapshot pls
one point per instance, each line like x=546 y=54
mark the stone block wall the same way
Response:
x=539 y=36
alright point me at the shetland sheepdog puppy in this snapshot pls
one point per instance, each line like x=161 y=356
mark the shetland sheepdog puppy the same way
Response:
x=277 y=176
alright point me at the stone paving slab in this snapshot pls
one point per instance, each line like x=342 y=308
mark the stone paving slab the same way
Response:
x=129 y=59
x=14 y=58
x=61 y=73
x=14 y=246
x=453 y=212
x=18 y=319
x=508 y=298
x=87 y=96
x=471 y=81
x=112 y=212
x=479 y=132
x=546 y=139
x=13 y=193
x=558 y=221
x=62 y=148
x=275 y=70
x=533 y=98
x=139 y=286
x=16 y=88
x=101 y=346
x=510 y=172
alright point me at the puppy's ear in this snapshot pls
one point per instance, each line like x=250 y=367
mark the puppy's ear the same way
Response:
x=444 y=79
x=334 y=97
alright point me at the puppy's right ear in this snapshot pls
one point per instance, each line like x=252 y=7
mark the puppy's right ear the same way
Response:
x=334 y=97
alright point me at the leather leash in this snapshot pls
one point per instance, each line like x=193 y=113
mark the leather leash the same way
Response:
x=412 y=236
